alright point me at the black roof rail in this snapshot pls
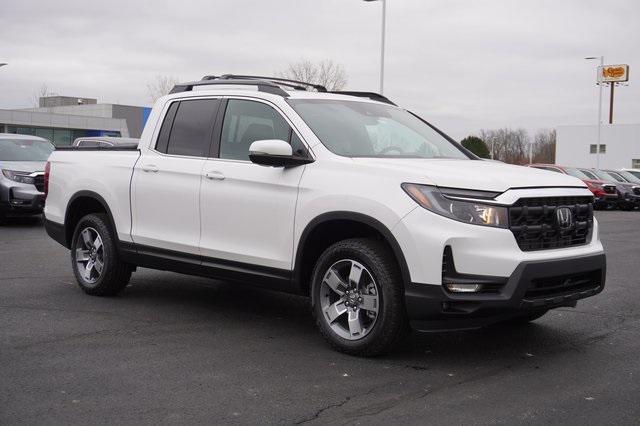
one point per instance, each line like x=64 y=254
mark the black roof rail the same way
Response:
x=263 y=86
x=271 y=85
x=371 y=95
x=296 y=84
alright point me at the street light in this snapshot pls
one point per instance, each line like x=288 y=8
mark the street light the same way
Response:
x=384 y=13
x=590 y=58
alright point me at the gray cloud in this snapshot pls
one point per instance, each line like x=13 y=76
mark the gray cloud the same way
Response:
x=463 y=65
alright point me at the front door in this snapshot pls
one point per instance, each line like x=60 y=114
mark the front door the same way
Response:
x=248 y=210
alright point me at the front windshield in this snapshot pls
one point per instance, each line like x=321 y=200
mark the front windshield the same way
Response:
x=604 y=176
x=590 y=174
x=617 y=177
x=629 y=176
x=576 y=173
x=24 y=150
x=364 y=129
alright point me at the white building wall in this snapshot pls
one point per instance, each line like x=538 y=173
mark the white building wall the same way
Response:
x=622 y=146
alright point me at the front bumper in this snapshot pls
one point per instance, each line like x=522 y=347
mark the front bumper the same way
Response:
x=20 y=199
x=606 y=201
x=533 y=286
x=628 y=201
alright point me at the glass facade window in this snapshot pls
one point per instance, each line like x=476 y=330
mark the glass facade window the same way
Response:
x=593 y=148
x=59 y=137
x=603 y=149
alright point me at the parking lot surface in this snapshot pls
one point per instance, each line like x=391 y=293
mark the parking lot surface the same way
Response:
x=178 y=349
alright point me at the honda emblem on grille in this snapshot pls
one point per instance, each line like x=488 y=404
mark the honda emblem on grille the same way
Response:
x=564 y=217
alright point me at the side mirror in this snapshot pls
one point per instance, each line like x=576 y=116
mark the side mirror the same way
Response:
x=274 y=152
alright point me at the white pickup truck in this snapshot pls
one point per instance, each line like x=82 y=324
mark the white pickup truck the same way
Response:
x=379 y=217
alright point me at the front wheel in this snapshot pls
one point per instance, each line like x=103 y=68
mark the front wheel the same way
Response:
x=94 y=257
x=357 y=297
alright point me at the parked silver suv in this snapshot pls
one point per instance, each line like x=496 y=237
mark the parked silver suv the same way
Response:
x=22 y=162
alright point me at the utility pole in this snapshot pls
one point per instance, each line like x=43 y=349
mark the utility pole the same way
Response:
x=382 y=42
x=599 y=112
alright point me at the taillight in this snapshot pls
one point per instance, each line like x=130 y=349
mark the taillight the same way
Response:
x=47 y=170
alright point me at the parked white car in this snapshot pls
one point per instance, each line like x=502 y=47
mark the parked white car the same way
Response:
x=371 y=211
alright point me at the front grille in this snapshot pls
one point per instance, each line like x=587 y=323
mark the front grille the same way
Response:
x=564 y=285
x=535 y=227
x=39 y=182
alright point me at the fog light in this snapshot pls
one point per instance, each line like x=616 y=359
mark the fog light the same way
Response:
x=463 y=288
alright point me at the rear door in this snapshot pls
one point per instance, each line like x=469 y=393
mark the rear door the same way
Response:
x=247 y=209
x=166 y=180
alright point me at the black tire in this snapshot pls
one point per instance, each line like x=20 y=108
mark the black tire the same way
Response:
x=526 y=318
x=115 y=273
x=3 y=219
x=390 y=325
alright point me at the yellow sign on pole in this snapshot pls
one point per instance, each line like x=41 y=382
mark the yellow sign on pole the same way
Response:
x=613 y=73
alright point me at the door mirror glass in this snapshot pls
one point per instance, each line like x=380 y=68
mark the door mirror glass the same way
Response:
x=274 y=152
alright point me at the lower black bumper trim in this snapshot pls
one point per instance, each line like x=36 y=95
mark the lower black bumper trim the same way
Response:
x=431 y=308
x=56 y=231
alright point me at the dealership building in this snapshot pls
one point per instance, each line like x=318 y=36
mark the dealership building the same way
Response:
x=61 y=119
x=619 y=146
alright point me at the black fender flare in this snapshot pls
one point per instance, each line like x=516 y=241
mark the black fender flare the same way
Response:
x=356 y=217
x=86 y=194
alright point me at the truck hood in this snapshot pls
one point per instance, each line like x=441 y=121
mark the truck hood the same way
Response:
x=23 y=166
x=471 y=174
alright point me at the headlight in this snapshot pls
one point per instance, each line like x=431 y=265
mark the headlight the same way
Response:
x=476 y=213
x=21 y=177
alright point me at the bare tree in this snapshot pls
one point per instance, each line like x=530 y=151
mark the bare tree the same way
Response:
x=161 y=86
x=544 y=148
x=327 y=73
x=42 y=92
x=508 y=145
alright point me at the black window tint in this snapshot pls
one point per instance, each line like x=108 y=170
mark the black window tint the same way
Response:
x=246 y=122
x=299 y=150
x=165 y=130
x=192 y=126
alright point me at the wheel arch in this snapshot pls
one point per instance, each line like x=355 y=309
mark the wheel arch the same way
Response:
x=358 y=224
x=81 y=204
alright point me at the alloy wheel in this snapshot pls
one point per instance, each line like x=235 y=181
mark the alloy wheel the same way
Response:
x=90 y=255
x=349 y=299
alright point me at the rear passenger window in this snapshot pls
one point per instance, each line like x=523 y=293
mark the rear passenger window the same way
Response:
x=246 y=122
x=165 y=130
x=189 y=133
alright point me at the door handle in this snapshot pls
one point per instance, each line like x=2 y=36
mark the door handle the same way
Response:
x=214 y=175
x=150 y=168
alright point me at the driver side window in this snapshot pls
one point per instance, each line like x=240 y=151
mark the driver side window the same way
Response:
x=248 y=121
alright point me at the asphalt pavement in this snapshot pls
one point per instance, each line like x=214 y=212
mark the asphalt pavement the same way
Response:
x=177 y=349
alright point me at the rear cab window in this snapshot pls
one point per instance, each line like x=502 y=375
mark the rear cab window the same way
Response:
x=187 y=128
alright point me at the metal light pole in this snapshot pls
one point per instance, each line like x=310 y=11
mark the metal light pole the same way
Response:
x=384 y=19
x=599 y=111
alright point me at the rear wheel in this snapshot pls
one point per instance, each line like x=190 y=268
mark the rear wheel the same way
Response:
x=357 y=297
x=3 y=219
x=96 y=264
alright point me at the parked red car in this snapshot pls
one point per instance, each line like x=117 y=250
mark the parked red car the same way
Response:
x=605 y=193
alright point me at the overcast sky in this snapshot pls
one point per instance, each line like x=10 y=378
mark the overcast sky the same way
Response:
x=463 y=65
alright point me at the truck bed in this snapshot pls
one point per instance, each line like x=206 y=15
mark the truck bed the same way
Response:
x=105 y=171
